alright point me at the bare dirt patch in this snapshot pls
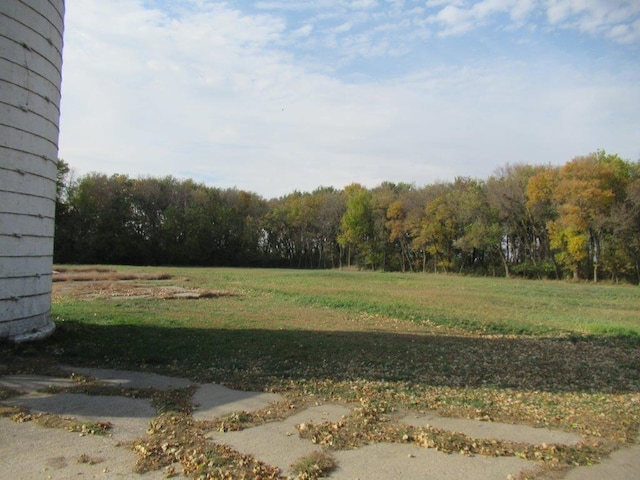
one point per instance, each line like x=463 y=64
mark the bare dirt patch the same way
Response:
x=106 y=283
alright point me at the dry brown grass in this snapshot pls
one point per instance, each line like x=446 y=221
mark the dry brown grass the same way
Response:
x=102 y=274
x=100 y=282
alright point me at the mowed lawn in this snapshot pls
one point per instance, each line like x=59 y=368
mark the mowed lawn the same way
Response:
x=544 y=353
x=487 y=305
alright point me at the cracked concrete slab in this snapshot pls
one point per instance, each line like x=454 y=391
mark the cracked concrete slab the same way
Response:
x=383 y=461
x=214 y=400
x=32 y=452
x=622 y=464
x=34 y=383
x=130 y=417
x=278 y=443
x=37 y=452
x=493 y=430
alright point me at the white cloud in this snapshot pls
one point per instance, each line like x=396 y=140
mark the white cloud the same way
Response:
x=439 y=3
x=458 y=17
x=342 y=28
x=616 y=19
x=303 y=31
x=363 y=4
x=557 y=10
x=454 y=20
x=628 y=33
x=222 y=96
x=522 y=9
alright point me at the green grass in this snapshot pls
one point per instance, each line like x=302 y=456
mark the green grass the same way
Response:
x=302 y=324
x=557 y=354
x=478 y=304
x=313 y=466
x=481 y=304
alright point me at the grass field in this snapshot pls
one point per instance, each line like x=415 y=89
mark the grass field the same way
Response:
x=557 y=354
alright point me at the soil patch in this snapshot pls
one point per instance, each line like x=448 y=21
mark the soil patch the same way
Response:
x=105 y=283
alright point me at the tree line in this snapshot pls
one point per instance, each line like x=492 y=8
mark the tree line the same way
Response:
x=580 y=220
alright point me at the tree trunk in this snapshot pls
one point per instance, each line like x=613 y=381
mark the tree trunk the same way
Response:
x=505 y=263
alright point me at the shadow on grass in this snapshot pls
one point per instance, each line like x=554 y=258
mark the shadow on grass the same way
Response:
x=258 y=359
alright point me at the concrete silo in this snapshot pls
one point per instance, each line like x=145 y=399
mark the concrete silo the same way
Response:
x=30 y=81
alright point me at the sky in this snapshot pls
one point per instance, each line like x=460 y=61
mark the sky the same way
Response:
x=275 y=96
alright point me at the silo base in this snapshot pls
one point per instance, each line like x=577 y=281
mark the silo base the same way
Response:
x=36 y=329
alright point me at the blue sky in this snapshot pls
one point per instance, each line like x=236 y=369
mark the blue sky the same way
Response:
x=274 y=96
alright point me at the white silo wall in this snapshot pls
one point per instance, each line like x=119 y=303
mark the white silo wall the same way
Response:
x=30 y=80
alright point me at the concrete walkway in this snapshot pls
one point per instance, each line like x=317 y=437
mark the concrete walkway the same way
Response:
x=28 y=451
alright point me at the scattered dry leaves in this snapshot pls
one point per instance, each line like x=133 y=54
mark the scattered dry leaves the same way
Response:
x=23 y=415
x=177 y=438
